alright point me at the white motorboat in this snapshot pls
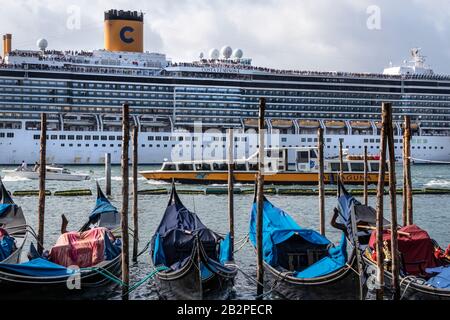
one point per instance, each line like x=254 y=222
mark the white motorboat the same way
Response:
x=52 y=173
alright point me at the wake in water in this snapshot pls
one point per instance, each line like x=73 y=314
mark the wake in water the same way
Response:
x=13 y=179
x=157 y=182
x=438 y=183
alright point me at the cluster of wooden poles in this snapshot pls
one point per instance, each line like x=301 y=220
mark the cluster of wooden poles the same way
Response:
x=387 y=144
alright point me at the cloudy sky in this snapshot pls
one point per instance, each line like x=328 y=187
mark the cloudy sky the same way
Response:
x=343 y=35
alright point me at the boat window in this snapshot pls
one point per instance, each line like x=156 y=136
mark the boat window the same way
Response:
x=185 y=167
x=241 y=167
x=169 y=167
x=302 y=157
x=220 y=166
x=253 y=166
x=312 y=154
x=357 y=166
x=203 y=166
x=335 y=166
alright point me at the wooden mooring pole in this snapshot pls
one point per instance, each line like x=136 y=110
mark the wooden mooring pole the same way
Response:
x=341 y=161
x=379 y=207
x=135 y=193
x=125 y=194
x=393 y=200
x=231 y=186
x=321 y=183
x=407 y=171
x=108 y=173
x=366 y=177
x=260 y=202
x=42 y=171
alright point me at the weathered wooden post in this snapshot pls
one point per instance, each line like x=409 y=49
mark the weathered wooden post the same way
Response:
x=108 y=173
x=321 y=183
x=135 y=193
x=380 y=194
x=407 y=170
x=341 y=161
x=125 y=194
x=42 y=171
x=393 y=198
x=366 y=177
x=231 y=185
x=260 y=202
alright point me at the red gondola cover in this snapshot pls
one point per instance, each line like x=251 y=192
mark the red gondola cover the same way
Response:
x=416 y=248
x=82 y=249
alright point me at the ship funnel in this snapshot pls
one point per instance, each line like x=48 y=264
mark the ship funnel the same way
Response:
x=124 y=31
x=7 y=40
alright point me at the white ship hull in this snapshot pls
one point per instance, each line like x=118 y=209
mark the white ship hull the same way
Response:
x=154 y=148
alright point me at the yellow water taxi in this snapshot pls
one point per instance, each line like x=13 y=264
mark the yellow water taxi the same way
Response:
x=282 y=166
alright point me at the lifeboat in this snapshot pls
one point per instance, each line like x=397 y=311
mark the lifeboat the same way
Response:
x=308 y=123
x=361 y=157
x=281 y=123
x=154 y=122
x=360 y=124
x=251 y=123
x=335 y=124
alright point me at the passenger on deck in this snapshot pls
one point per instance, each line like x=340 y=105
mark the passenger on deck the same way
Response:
x=36 y=167
x=23 y=166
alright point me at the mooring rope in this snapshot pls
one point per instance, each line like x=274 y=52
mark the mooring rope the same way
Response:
x=146 y=278
x=407 y=286
x=243 y=244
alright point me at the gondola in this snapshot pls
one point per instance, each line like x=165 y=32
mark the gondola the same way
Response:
x=423 y=276
x=13 y=229
x=78 y=263
x=199 y=262
x=300 y=263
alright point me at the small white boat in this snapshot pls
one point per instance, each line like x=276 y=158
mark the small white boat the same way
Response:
x=52 y=173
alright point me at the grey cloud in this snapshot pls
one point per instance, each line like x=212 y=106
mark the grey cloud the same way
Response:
x=307 y=34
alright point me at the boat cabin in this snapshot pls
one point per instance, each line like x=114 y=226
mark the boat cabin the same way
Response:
x=279 y=160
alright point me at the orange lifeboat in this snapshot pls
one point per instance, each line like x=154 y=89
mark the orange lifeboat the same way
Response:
x=251 y=123
x=360 y=124
x=334 y=124
x=308 y=123
x=281 y=123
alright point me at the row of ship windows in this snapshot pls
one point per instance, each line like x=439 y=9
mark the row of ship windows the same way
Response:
x=77 y=137
x=223 y=146
x=161 y=88
x=7 y=134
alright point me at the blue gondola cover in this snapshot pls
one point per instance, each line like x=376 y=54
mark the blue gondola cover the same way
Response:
x=441 y=279
x=38 y=268
x=174 y=239
x=278 y=227
x=336 y=259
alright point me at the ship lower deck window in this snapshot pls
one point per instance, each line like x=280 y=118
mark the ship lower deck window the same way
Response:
x=54 y=137
x=36 y=137
x=241 y=167
x=186 y=167
x=169 y=167
x=220 y=166
x=203 y=166
x=335 y=166
x=87 y=137
x=94 y=137
x=357 y=166
x=70 y=137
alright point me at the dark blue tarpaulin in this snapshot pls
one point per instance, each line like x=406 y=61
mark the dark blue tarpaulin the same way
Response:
x=6 y=207
x=102 y=206
x=37 y=268
x=176 y=234
x=278 y=227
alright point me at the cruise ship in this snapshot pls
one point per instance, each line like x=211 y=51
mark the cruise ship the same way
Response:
x=184 y=109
